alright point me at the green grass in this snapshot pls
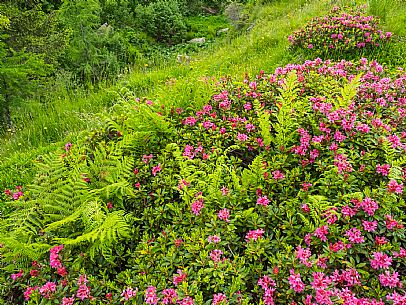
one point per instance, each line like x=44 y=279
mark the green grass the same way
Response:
x=205 y=26
x=64 y=115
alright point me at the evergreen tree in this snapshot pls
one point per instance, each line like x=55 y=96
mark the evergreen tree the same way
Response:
x=20 y=73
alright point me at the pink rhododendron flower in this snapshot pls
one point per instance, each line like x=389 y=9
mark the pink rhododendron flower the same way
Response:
x=303 y=255
x=150 y=296
x=170 y=296
x=321 y=233
x=390 y=280
x=47 y=290
x=383 y=169
x=83 y=292
x=147 y=158
x=395 y=141
x=250 y=127
x=401 y=253
x=224 y=191
x=129 y=293
x=369 y=206
x=215 y=255
x=394 y=187
x=337 y=246
x=295 y=281
x=354 y=236
x=396 y=298
x=156 y=169
x=363 y=128
x=322 y=262
x=380 y=261
x=179 y=278
x=346 y=211
x=242 y=137
x=369 y=226
x=254 y=235
x=68 y=146
x=186 y=301
x=197 y=205
x=15 y=276
x=308 y=239
x=62 y=271
x=247 y=106
x=219 y=298
x=224 y=214
x=305 y=208
x=82 y=279
x=266 y=282
x=28 y=292
x=68 y=301
x=391 y=223
x=306 y=186
x=214 y=239
x=263 y=200
x=320 y=280
x=54 y=257
x=379 y=241
x=277 y=175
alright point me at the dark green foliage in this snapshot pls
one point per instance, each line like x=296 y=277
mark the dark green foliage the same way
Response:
x=36 y=32
x=20 y=75
x=29 y=47
x=162 y=20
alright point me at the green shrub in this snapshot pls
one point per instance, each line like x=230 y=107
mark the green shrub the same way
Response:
x=162 y=20
x=343 y=33
x=281 y=186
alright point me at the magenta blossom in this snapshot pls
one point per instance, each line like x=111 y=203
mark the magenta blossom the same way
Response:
x=224 y=214
x=254 y=235
x=156 y=169
x=263 y=200
x=179 y=278
x=215 y=255
x=380 y=261
x=295 y=281
x=219 y=298
x=150 y=296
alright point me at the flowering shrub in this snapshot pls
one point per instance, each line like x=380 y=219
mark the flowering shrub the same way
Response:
x=285 y=188
x=342 y=32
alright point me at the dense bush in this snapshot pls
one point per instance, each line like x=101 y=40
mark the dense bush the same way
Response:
x=163 y=21
x=341 y=33
x=283 y=188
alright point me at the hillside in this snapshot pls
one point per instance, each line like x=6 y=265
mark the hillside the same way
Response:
x=267 y=169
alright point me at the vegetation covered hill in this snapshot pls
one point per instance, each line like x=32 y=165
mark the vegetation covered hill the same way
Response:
x=269 y=169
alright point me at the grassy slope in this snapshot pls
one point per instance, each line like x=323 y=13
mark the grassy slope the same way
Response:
x=265 y=47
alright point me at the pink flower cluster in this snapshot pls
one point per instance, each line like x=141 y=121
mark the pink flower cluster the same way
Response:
x=14 y=195
x=268 y=285
x=179 y=278
x=150 y=296
x=129 y=293
x=254 y=235
x=224 y=214
x=54 y=257
x=340 y=32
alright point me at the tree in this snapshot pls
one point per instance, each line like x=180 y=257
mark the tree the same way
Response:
x=20 y=72
x=36 y=31
x=96 y=51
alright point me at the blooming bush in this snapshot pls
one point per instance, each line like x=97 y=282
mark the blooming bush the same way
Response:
x=285 y=188
x=341 y=33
